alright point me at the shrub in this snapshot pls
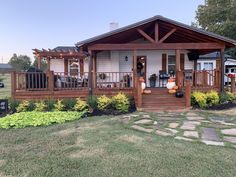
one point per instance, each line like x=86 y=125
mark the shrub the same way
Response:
x=120 y=102
x=26 y=119
x=59 y=106
x=50 y=104
x=226 y=97
x=40 y=106
x=23 y=106
x=104 y=103
x=13 y=104
x=69 y=104
x=92 y=102
x=199 y=99
x=80 y=105
x=132 y=106
x=212 y=98
x=31 y=106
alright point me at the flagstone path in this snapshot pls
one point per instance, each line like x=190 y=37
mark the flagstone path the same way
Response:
x=192 y=126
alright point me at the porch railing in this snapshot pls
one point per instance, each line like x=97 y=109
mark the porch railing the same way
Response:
x=198 y=79
x=70 y=81
x=119 y=80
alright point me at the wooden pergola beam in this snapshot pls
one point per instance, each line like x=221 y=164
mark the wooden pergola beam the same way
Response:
x=146 y=36
x=167 y=35
x=156 y=32
x=157 y=46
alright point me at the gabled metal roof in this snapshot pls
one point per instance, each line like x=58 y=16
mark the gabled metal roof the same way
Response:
x=152 y=19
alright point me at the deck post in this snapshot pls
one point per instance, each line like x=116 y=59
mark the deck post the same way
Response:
x=222 y=56
x=39 y=62
x=13 y=84
x=90 y=74
x=94 y=78
x=51 y=81
x=140 y=92
x=188 y=91
x=177 y=67
x=134 y=70
x=233 y=84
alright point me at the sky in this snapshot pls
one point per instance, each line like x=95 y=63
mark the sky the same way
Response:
x=28 y=24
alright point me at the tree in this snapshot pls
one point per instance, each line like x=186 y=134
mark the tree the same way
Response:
x=20 y=63
x=43 y=64
x=218 y=16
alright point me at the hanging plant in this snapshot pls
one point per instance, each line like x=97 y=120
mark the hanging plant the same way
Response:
x=102 y=76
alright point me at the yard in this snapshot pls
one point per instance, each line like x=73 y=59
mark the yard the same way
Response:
x=109 y=146
x=6 y=91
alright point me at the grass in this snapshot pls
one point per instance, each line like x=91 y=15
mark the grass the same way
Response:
x=6 y=91
x=104 y=146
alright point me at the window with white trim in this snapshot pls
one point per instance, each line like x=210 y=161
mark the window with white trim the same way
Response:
x=171 y=64
x=208 y=66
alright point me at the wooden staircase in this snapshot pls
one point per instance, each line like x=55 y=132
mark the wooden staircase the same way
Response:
x=160 y=100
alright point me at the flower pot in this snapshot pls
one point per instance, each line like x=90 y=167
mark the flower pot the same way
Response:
x=179 y=94
x=152 y=83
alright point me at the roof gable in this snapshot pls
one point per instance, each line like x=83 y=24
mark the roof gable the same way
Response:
x=130 y=33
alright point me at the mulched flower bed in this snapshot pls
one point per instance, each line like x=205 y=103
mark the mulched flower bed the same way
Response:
x=222 y=106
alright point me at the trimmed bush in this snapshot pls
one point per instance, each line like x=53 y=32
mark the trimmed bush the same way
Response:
x=13 y=104
x=80 y=105
x=50 y=104
x=199 y=99
x=120 y=102
x=59 y=106
x=69 y=104
x=23 y=106
x=212 y=98
x=104 y=103
x=26 y=119
x=40 y=106
x=226 y=97
x=92 y=102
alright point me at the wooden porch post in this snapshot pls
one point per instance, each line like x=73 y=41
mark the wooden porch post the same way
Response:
x=48 y=64
x=222 y=57
x=90 y=74
x=188 y=93
x=13 y=84
x=233 y=84
x=39 y=62
x=94 y=71
x=134 y=69
x=177 y=67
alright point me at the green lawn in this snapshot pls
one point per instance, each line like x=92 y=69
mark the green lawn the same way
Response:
x=104 y=146
x=6 y=91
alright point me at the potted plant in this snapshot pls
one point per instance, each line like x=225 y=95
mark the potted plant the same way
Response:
x=152 y=80
x=102 y=76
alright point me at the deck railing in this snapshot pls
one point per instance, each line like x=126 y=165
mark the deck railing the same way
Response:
x=70 y=81
x=119 y=80
x=202 y=78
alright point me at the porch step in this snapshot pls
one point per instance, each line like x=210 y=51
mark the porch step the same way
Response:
x=160 y=100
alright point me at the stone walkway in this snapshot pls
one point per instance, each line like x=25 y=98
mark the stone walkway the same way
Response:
x=190 y=126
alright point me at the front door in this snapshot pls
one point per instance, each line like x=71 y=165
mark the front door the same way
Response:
x=142 y=66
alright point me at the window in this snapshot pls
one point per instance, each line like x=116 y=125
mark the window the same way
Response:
x=74 y=67
x=171 y=64
x=199 y=66
x=208 y=66
x=227 y=71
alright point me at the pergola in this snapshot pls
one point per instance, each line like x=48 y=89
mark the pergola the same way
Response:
x=58 y=53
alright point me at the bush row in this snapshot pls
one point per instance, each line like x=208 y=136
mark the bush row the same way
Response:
x=119 y=103
x=212 y=98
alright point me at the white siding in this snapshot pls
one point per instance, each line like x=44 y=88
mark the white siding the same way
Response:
x=104 y=62
x=57 y=65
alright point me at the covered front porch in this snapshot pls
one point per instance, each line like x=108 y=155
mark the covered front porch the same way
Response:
x=154 y=49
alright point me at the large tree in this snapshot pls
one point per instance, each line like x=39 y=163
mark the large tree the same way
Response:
x=218 y=16
x=20 y=63
x=43 y=64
